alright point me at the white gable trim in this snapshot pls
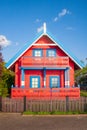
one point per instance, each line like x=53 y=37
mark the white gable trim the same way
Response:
x=24 y=51
x=63 y=50
x=55 y=43
x=46 y=44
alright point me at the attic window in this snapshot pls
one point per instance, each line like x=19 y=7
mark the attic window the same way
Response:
x=51 y=52
x=37 y=52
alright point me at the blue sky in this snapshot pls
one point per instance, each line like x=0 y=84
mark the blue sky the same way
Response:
x=21 y=20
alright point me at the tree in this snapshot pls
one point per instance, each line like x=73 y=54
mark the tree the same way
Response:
x=6 y=78
x=81 y=77
x=1 y=62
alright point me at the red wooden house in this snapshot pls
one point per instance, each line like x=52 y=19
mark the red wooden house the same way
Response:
x=44 y=68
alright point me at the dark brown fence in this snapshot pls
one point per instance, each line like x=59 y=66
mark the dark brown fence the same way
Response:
x=12 y=105
x=20 y=105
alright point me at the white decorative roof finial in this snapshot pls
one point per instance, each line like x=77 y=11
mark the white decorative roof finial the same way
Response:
x=44 y=27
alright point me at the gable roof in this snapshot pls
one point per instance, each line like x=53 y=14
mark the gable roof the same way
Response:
x=29 y=44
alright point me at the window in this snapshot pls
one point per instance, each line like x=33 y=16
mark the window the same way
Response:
x=54 y=81
x=51 y=52
x=35 y=81
x=37 y=52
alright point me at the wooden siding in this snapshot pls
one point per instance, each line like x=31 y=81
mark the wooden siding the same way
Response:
x=45 y=93
x=27 y=60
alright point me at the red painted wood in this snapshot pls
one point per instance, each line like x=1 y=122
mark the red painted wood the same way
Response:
x=62 y=77
x=45 y=93
x=17 y=75
x=45 y=62
x=61 y=60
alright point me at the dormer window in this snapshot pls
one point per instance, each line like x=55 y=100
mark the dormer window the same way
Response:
x=51 y=53
x=37 y=52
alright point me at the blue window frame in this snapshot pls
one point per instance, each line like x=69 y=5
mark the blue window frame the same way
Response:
x=55 y=81
x=37 y=52
x=51 y=52
x=34 y=81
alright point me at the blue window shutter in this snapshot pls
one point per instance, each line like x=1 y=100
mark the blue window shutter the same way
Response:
x=38 y=81
x=50 y=81
x=22 y=71
x=47 y=53
x=58 y=81
x=30 y=81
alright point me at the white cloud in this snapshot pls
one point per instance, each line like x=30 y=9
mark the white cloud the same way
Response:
x=40 y=29
x=3 y=41
x=61 y=14
x=55 y=19
x=38 y=20
x=64 y=12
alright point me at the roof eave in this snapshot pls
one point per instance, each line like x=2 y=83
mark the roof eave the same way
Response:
x=79 y=65
x=26 y=47
x=16 y=57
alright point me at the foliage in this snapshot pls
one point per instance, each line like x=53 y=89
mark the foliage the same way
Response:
x=1 y=61
x=81 y=76
x=83 y=93
x=7 y=81
x=53 y=113
x=6 y=78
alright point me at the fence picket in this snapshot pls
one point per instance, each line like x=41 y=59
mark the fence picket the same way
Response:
x=17 y=105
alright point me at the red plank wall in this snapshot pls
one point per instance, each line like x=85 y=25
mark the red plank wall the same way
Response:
x=71 y=63
x=44 y=40
x=33 y=73
x=29 y=52
x=40 y=73
x=17 y=74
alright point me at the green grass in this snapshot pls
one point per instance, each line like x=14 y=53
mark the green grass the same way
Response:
x=52 y=113
x=83 y=93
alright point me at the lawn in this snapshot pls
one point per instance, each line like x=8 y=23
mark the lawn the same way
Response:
x=83 y=93
x=53 y=113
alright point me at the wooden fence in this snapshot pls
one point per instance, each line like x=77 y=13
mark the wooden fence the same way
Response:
x=20 y=105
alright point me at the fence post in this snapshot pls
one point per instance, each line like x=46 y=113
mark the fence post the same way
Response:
x=24 y=103
x=51 y=104
x=0 y=103
x=67 y=103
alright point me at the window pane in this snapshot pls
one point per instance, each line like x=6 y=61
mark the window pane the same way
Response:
x=54 y=82
x=51 y=53
x=36 y=79
x=32 y=79
x=53 y=79
x=37 y=53
x=35 y=86
x=34 y=82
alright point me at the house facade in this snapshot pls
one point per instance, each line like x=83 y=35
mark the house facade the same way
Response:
x=44 y=69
